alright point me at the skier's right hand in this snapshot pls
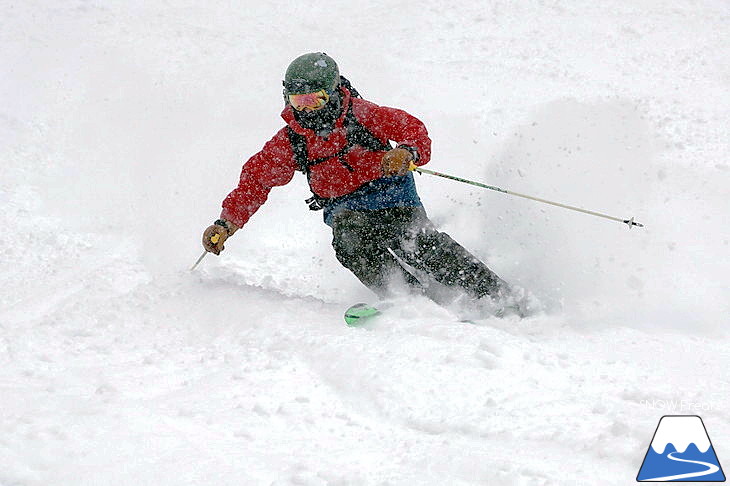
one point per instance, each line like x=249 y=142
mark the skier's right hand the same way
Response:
x=216 y=234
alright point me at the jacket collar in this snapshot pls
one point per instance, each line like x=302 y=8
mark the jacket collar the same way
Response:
x=288 y=115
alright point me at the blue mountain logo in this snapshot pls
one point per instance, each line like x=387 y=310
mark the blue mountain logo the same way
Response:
x=681 y=451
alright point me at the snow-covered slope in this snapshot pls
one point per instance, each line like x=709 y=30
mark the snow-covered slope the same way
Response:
x=124 y=124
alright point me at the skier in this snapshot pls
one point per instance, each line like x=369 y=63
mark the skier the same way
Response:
x=363 y=184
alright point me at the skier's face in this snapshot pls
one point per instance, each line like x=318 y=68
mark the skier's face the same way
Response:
x=309 y=101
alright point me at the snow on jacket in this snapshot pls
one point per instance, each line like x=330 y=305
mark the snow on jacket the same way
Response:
x=275 y=164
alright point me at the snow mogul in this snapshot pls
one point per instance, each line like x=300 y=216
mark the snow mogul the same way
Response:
x=361 y=182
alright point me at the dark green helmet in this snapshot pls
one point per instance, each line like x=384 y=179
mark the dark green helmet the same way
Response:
x=311 y=72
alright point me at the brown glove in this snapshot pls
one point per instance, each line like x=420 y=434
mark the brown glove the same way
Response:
x=396 y=162
x=216 y=234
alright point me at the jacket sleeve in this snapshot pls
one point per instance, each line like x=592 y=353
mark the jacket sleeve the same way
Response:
x=272 y=166
x=396 y=125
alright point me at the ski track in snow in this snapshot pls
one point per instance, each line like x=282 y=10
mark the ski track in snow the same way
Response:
x=123 y=126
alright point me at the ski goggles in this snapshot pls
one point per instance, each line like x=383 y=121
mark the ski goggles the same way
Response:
x=309 y=101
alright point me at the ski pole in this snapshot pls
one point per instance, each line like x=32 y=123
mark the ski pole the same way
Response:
x=199 y=260
x=213 y=239
x=630 y=222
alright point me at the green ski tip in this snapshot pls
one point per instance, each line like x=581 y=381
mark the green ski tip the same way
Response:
x=359 y=314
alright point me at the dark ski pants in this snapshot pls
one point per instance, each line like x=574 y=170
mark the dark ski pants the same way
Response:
x=363 y=241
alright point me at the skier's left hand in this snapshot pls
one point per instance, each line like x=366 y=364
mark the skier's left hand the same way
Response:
x=396 y=162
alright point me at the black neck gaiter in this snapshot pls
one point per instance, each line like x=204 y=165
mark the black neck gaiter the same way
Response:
x=322 y=121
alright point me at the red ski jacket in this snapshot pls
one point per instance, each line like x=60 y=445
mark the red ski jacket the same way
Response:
x=275 y=164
